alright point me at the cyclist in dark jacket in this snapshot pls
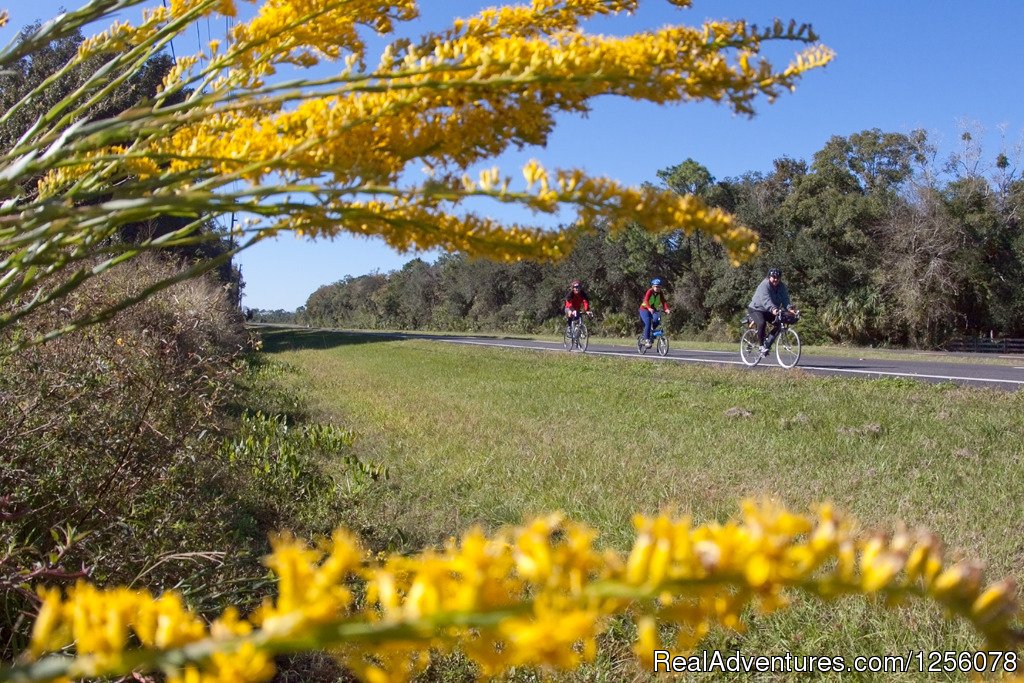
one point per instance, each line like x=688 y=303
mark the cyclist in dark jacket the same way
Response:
x=770 y=299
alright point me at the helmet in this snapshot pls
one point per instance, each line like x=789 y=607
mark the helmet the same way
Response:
x=575 y=283
x=655 y=282
x=775 y=272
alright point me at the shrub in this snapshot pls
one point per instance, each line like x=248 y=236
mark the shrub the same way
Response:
x=717 y=330
x=127 y=457
x=109 y=437
x=618 y=325
x=305 y=473
x=811 y=328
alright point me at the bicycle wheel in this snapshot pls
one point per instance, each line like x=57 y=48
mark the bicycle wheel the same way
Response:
x=567 y=339
x=787 y=348
x=582 y=336
x=662 y=345
x=641 y=344
x=750 y=348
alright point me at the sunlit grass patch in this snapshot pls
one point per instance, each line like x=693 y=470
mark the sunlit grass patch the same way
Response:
x=490 y=436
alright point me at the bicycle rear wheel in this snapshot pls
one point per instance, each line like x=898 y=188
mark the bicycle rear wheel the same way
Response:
x=582 y=336
x=787 y=348
x=641 y=344
x=750 y=348
x=662 y=344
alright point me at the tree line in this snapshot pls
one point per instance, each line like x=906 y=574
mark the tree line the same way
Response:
x=879 y=242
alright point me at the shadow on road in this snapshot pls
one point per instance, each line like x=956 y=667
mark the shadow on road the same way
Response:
x=276 y=340
x=293 y=338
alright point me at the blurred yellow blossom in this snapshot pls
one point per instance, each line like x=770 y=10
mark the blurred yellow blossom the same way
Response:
x=536 y=595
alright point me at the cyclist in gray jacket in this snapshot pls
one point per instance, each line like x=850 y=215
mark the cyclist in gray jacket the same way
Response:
x=770 y=298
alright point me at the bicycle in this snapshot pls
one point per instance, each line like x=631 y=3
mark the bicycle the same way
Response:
x=658 y=341
x=787 y=350
x=576 y=334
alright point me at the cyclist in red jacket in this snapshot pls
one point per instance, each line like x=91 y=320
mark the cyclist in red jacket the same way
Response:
x=576 y=302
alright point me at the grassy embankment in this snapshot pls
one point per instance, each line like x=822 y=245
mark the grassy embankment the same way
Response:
x=474 y=435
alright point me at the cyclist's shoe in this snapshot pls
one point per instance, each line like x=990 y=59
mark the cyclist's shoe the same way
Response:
x=648 y=343
x=764 y=351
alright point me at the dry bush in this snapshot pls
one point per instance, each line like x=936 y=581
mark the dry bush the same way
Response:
x=109 y=439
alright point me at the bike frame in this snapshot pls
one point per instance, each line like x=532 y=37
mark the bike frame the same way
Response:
x=573 y=326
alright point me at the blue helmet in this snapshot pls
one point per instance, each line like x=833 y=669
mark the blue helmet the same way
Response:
x=656 y=282
x=775 y=272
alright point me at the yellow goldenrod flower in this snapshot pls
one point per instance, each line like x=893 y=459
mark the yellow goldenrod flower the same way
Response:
x=538 y=595
x=49 y=632
x=996 y=605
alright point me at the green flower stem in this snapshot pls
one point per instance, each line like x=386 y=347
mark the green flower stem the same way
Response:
x=62 y=26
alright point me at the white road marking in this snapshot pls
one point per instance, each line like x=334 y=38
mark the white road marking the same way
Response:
x=885 y=373
x=913 y=375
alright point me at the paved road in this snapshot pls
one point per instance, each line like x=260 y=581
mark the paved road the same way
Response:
x=1006 y=377
x=937 y=369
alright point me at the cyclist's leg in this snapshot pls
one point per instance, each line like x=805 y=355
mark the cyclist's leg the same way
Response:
x=774 y=320
x=759 y=319
x=646 y=318
x=655 y=321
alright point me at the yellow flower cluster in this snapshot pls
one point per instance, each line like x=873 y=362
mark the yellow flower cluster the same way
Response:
x=302 y=32
x=417 y=218
x=449 y=102
x=539 y=18
x=99 y=623
x=468 y=99
x=538 y=595
x=311 y=583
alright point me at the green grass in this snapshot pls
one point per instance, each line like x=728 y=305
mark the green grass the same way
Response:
x=489 y=436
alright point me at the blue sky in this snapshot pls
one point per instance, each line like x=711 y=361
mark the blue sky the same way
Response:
x=932 y=64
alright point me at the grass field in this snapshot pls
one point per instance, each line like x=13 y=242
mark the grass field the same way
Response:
x=475 y=435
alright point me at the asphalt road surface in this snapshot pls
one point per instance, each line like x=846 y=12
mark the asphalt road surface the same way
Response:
x=966 y=370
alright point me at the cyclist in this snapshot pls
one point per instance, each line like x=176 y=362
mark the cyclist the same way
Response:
x=649 y=316
x=770 y=299
x=576 y=302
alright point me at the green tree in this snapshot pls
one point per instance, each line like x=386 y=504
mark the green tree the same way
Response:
x=834 y=213
x=950 y=265
x=412 y=293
